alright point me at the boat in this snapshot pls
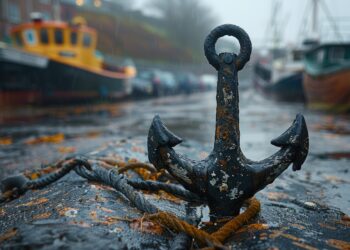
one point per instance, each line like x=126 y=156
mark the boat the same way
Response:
x=278 y=73
x=327 y=77
x=280 y=77
x=57 y=62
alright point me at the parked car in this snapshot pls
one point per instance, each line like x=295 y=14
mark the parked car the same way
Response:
x=208 y=81
x=141 y=87
x=188 y=83
x=163 y=82
x=169 y=82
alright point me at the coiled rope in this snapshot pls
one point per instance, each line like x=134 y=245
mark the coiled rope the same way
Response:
x=103 y=173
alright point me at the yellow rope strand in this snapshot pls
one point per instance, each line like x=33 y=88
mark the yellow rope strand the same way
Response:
x=233 y=225
x=203 y=238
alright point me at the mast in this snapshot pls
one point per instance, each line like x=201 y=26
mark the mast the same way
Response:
x=56 y=10
x=315 y=17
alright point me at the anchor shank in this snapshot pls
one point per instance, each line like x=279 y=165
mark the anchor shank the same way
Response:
x=227 y=134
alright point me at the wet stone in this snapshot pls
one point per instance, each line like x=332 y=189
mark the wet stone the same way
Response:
x=76 y=214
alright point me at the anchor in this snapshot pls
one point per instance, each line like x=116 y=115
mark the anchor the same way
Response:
x=226 y=178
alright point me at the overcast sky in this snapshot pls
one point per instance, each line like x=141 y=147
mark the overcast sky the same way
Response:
x=254 y=16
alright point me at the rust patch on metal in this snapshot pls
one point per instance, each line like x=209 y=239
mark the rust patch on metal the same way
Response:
x=41 y=216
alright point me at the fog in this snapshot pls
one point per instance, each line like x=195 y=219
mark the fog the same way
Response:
x=255 y=15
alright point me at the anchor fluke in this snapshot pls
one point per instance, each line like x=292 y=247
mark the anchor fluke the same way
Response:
x=295 y=136
x=159 y=136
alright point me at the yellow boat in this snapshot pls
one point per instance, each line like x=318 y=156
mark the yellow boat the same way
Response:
x=52 y=61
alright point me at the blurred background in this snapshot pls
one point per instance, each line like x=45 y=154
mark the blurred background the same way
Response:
x=76 y=74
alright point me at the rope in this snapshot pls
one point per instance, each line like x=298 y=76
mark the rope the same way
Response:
x=44 y=181
x=215 y=239
x=92 y=170
x=118 y=182
x=50 y=178
x=233 y=225
x=173 y=189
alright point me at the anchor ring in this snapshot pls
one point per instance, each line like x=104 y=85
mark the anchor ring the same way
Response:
x=229 y=30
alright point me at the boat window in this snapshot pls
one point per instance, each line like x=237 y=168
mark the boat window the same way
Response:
x=320 y=56
x=86 y=40
x=44 y=36
x=297 y=55
x=58 y=36
x=30 y=36
x=336 y=55
x=73 y=37
x=18 y=38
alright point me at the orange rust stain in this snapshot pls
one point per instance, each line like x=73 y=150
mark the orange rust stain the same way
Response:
x=41 y=216
x=338 y=244
x=217 y=131
x=144 y=173
x=225 y=135
x=345 y=220
x=289 y=236
x=93 y=134
x=110 y=220
x=223 y=163
x=5 y=141
x=253 y=227
x=62 y=211
x=66 y=150
x=8 y=234
x=56 y=138
x=298 y=226
x=304 y=246
x=93 y=215
x=327 y=226
x=146 y=226
x=263 y=236
x=34 y=202
x=34 y=176
x=166 y=196
x=2 y=212
x=107 y=210
x=277 y=233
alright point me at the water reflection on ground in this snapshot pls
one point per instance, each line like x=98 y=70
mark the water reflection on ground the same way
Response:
x=33 y=136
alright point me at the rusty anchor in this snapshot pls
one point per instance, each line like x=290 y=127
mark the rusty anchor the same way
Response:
x=226 y=178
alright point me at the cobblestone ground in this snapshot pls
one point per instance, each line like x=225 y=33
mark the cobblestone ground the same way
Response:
x=301 y=210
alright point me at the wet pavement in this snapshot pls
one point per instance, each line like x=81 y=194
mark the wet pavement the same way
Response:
x=306 y=209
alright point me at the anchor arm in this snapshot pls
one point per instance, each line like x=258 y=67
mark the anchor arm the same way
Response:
x=294 y=143
x=162 y=155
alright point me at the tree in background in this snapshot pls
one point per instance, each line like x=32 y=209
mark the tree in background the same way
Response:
x=187 y=22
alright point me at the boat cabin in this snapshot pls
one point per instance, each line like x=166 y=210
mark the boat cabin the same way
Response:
x=328 y=57
x=73 y=44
